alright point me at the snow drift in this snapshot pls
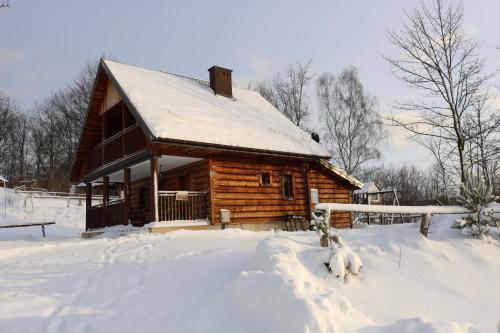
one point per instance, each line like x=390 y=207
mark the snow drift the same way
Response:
x=239 y=281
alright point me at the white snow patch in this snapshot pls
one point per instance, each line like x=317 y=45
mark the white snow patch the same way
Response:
x=240 y=281
x=70 y=221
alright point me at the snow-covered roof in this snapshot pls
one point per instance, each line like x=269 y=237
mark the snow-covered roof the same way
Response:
x=180 y=108
x=368 y=187
x=341 y=173
x=3 y=180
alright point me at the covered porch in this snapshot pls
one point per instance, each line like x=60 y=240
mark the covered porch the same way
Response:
x=157 y=189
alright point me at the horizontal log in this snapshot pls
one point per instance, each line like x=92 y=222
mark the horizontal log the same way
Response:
x=236 y=196
x=236 y=183
x=393 y=209
x=258 y=202
x=251 y=170
x=255 y=190
x=275 y=208
x=281 y=214
x=237 y=177
x=259 y=166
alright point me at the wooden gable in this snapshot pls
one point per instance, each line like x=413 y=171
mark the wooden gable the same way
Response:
x=106 y=99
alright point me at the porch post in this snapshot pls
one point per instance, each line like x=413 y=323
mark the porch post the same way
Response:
x=88 y=195
x=126 y=193
x=154 y=188
x=88 y=202
x=105 y=198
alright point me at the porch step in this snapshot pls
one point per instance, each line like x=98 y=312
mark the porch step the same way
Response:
x=162 y=229
x=92 y=233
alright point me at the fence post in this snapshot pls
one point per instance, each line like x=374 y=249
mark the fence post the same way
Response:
x=105 y=199
x=153 y=180
x=424 y=224
x=126 y=194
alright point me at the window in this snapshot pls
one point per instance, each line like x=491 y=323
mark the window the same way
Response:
x=288 y=187
x=265 y=179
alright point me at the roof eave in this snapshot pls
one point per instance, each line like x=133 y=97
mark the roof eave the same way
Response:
x=341 y=173
x=237 y=149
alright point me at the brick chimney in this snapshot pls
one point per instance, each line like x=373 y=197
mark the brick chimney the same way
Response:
x=220 y=81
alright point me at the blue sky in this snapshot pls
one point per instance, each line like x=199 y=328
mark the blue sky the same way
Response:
x=44 y=43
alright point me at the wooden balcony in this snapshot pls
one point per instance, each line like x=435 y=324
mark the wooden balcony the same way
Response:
x=122 y=144
x=133 y=140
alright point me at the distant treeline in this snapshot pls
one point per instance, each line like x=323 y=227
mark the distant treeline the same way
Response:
x=38 y=146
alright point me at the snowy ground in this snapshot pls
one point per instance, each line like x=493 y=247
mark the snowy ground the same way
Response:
x=239 y=281
x=70 y=221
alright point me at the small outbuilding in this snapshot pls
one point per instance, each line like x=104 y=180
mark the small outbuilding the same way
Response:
x=3 y=182
x=370 y=194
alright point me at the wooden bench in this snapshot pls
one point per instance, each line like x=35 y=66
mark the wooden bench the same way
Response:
x=35 y=224
x=294 y=222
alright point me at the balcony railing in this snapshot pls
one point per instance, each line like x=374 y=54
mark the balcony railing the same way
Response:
x=94 y=158
x=113 y=148
x=134 y=139
x=100 y=217
x=174 y=205
x=123 y=143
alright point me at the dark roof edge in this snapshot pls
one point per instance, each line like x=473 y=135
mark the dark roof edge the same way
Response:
x=86 y=119
x=236 y=149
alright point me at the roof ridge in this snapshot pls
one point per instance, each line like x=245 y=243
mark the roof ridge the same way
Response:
x=203 y=82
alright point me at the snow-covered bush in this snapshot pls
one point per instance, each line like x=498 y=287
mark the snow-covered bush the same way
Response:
x=476 y=197
x=342 y=259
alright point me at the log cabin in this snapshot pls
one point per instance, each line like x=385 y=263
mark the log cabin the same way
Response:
x=183 y=149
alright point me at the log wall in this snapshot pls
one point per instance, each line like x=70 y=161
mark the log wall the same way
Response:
x=332 y=189
x=236 y=186
x=137 y=214
x=196 y=173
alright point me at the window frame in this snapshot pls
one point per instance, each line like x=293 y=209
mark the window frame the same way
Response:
x=261 y=180
x=292 y=186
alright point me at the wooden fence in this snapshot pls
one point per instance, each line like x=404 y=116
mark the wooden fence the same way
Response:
x=174 y=205
x=425 y=212
x=68 y=197
x=100 y=217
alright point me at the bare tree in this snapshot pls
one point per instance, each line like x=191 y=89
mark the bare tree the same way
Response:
x=441 y=169
x=13 y=133
x=482 y=128
x=439 y=60
x=55 y=130
x=287 y=92
x=8 y=114
x=5 y=4
x=354 y=128
x=414 y=186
